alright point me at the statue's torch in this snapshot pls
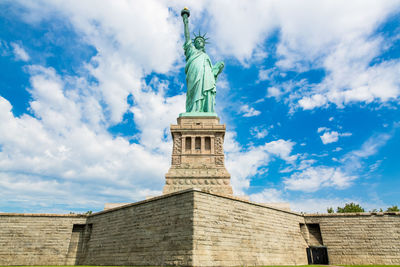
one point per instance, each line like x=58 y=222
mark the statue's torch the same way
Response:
x=185 y=12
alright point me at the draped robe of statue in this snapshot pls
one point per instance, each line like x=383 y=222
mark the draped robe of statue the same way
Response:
x=201 y=89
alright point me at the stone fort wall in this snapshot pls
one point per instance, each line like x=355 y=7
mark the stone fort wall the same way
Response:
x=39 y=239
x=230 y=232
x=360 y=238
x=194 y=228
x=152 y=232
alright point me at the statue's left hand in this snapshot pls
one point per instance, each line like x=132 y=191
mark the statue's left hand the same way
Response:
x=221 y=66
x=218 y=67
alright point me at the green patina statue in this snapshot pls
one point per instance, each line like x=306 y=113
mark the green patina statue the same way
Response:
x=201 y=75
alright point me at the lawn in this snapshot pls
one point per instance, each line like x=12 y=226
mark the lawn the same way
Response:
x=178 y=266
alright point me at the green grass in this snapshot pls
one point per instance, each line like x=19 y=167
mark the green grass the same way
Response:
x=178 y=266
x=370 y=265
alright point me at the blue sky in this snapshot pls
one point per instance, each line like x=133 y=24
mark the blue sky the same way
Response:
x=309 y=94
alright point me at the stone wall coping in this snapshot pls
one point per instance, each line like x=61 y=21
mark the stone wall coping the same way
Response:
x=192 y=190
x=198 y=129
x=349 y=214
x=142 y=202
x=203 y=192
x=43 y=215
x=249 y=202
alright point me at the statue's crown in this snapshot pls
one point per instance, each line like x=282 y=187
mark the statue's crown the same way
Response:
x=200 y=36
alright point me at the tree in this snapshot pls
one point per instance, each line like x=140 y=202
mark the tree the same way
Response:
x=330 y=210
x=350 y=207
x=393 y=208
x=376 y=210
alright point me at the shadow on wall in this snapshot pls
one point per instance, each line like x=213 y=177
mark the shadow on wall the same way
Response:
x=78 y=244
x=317 y=253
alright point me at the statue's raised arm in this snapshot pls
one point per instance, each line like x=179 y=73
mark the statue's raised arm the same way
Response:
x=185 y=13
x=201 y=75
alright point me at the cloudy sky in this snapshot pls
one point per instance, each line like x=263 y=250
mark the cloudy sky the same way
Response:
x=310 y=95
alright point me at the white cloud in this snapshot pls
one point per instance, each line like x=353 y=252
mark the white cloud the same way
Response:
x=354 y=159
x=315 y=178
x=371 y=146
x=244 y=163
x=243 y=33
x=20 y=52
x=311 y=178
x=29 y=193
x=312 y=102
x=305 y=163
x=346 y=134
x=274 y=92
x=264 y=74
x=268 y=195
x=153 y=113
x=269 y=74
x=114 y=30
x=352 y=78
x=282 y=149
x=320 y=205
x=322 y=129
x=330 y=137
x=249 y=111
x=258 y=132
x=61 y=143
x=363 y=84
x=339 y=39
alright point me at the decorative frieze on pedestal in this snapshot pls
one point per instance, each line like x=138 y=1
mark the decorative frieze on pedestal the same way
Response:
x=198 y=156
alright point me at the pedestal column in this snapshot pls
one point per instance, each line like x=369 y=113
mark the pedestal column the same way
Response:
x=202 y=169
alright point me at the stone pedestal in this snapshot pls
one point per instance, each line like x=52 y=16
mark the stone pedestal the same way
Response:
x=198 y=156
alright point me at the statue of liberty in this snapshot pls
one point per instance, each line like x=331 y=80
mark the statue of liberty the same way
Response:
x=201 y=75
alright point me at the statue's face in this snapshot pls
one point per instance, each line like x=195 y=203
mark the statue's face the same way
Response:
x=199 y=43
